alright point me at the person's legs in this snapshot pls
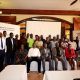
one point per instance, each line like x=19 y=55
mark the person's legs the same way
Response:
x=28 y=64
x=39 y=64
x=43 y=64
x=12 y=57
x=8 y=58
x=51 y=63
x=71 y=62
x=2 y=53
x=64 y=63
x=56 y=63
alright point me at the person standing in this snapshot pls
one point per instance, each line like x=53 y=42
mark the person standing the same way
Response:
x=11 y=48
x=30 y=41
x=2 y=51
x=5 y=36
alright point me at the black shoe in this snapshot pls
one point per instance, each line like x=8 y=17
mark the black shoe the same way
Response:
x=43 y=72
x=27 y=71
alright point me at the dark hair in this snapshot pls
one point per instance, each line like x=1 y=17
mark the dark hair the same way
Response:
x=4 y=31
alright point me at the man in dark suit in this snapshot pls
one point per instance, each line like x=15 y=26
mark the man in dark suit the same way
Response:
x=45 y=56
x=11 y=48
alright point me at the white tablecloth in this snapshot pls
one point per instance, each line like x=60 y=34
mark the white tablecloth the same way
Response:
x=61 y=75
x=14 y=72
x=34 y=65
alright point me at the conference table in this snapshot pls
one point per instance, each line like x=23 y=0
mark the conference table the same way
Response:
x=14 y=72
x=62 y=75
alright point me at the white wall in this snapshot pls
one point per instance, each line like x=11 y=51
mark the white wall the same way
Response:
x=10 y=28
x=44 y=28
x=22 y=16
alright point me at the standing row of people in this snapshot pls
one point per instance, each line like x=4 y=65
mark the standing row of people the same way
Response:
x=7 y=49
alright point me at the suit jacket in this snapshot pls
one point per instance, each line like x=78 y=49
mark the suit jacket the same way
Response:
x=9 y=45
x=61 y=53
x=45 y=54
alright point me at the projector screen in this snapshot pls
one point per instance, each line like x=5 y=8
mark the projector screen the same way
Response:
x=44 y=28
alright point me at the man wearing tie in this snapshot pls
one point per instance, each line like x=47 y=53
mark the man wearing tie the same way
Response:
x=2 y=51
x=11 y=48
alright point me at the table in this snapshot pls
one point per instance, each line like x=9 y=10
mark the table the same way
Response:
x=61 y=75
x=14 y=72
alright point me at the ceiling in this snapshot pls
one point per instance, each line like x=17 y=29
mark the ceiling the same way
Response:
x=40 y=4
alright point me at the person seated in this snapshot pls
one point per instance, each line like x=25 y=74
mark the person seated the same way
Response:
x=70 y=56
x=58 y=54
x=21 y=55
x=34 y=55
x=45 y=56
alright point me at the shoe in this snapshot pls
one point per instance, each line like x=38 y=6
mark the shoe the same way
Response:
x=43 y=72
x=27 y=72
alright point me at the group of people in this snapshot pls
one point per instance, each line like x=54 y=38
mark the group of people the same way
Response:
x=28 y=49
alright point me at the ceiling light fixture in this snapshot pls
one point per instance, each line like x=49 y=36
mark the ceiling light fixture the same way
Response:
x=73 y=2
x=0 y=12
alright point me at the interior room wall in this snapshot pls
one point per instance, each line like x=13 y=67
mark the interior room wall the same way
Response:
x=22 y=16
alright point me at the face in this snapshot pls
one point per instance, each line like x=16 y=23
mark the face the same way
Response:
x=57 y=44
x=16 y=36
x=69 y=46
x=11 y=35
x=31 y=35
x=54 y=38
x=22 y=47
x=39 y=38
x=0 y=34
x=36 y=37
x=4 y=33
x=45 y=45
x=27 y=35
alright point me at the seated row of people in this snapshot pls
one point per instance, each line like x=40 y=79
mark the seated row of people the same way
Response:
x=45 y=54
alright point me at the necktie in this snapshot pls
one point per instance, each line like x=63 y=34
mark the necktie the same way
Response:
x=1 y=43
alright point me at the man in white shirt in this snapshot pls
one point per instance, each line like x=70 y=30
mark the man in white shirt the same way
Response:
x=34 y=55
x=2 y=51
x=5 y=36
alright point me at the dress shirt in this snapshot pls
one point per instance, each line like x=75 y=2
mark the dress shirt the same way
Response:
x=34 y=52
x=64 y=44
x=73 y=45
x=12 y=42
x=39 y=44
x=46 y=52
x=4 y=44
x=53 y=44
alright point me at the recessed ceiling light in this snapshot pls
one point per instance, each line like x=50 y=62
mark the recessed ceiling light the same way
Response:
x=0 y=12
